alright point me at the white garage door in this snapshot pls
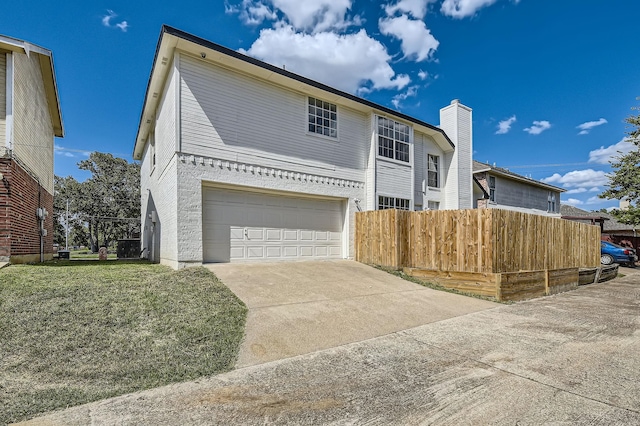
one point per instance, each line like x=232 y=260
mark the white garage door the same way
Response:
x=242 y=226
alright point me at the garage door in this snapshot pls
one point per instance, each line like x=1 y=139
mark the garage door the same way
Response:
x=242 y=226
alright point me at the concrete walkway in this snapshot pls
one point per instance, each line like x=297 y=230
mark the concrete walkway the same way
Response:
x=571 y=358
x=301 y=307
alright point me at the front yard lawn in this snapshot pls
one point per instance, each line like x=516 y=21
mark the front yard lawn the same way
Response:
x=75 y=332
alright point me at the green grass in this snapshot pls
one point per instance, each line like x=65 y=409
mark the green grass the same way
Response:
x=75 y=332
x=436 y=286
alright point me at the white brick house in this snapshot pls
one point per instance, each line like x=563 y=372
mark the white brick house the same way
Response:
x=243 y=161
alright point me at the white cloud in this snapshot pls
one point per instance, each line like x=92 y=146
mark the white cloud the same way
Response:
x=538 y=127
x=423 y=75
x=594 y=200
x=604 y=155
x=252 y=12
x=573 y=202
x=505 y=125
x=342 y=61
x=463 y=8
x=397 y=99
x=416 y=8
x=576 y=191
x=578 y=179
x=106 y=21
x=587 y=126
x=417 y=41
x=317 y=15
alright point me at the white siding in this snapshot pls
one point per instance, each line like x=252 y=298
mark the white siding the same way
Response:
x=228 y=115
x=419 y=168
x=165 y=128
x=393 y=179
x=33 y=131
x=370 y=202
x=3 y=98
x=456 y=121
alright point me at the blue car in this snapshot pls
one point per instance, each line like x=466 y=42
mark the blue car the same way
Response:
x=610 y=253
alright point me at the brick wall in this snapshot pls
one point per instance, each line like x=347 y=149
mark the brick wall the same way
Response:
x=20 y=196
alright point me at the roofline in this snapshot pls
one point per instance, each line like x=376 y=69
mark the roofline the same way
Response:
x=486 y=195
x=166 y=29
x=517 y=177
x=592 y=218
x=47 y=69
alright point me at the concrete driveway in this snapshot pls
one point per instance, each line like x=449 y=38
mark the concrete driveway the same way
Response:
x=301 y=307
x=571 y=358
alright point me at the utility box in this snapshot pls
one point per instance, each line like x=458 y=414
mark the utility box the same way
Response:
x=63 y=254
x=128 y=249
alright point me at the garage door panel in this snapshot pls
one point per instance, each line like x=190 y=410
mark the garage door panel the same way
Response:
x=246 y=226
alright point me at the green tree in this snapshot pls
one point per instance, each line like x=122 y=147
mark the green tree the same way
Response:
x=104 y=207
x=624 y=182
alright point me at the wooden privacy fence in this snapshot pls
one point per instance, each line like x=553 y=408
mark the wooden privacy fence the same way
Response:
x=480 y=246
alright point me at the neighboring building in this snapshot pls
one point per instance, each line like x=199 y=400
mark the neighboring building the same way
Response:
x=245 y=161
x=30 y=118
x=608 y=223
x=498 y=188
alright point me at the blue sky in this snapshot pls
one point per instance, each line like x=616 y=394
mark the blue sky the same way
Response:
x=550 y=82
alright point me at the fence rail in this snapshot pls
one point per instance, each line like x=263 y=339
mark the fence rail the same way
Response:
x=479 y=241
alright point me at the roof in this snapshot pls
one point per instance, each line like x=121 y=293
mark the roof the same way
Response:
x=610 y=222
x=48 y=76
x=479 y=167
x=171 y=39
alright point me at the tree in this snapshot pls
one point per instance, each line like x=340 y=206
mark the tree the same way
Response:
x=624 y=182
x=104 y=207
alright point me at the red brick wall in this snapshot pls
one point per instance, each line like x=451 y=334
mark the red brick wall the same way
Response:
x=20 y=196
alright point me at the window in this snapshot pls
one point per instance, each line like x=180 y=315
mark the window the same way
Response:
x=393 y=139
x=433 y=205
x=551 y=200
x=492 y=188
x=323 y=118
x=433 y=180
x=392 y=203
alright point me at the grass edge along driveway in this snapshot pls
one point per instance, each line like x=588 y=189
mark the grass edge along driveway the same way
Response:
x=75 y=332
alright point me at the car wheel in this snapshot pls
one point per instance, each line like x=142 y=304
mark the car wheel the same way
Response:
x=606 y=259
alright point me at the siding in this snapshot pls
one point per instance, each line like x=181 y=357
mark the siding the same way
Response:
x=519 y=194
x=165 y=128
x=419 y=167
x=3 y=99
x=33 y=132
x=234 y=117
x=393 y=179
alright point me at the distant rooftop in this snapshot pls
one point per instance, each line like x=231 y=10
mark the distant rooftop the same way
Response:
x=479 y=167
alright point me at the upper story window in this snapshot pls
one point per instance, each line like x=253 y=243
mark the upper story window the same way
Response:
x=152 y=151
x=323 y=118
x=433 y=171
x=492 y=188
x=393 y=139
x=552 y=202
x=392 y=203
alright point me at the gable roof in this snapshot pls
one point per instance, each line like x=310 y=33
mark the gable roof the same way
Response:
x=48 y=76
x=479 y=167
x=610 y=222
x=171 y=39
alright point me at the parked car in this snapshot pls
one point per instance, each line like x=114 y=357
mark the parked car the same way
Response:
x=610 y=253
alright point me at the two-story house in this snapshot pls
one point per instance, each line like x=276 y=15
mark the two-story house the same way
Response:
x=245 y=161
x=30 y=118
x=499 y=188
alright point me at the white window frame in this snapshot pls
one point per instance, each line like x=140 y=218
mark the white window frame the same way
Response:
x=387 y=202
x=387 y=131
x=436 y=162
x=492 y=188
x=433 y=205
x=328 y=118
x=152 y=152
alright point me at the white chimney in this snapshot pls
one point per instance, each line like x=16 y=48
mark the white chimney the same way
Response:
x=456 y=121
